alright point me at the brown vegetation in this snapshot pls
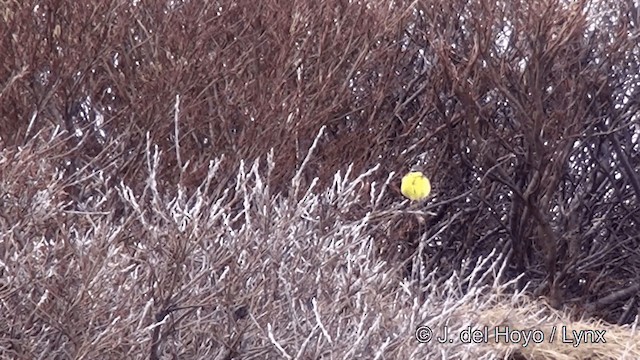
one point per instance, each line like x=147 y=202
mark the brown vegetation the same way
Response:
x=219 y=179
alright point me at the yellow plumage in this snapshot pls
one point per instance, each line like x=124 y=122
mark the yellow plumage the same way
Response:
x=415 y=186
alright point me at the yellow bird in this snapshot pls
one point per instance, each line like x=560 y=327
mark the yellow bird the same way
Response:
x=415 y=186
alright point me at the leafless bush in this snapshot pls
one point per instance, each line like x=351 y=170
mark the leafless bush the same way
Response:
x=219 y=178
x=543 y=104
x=183 y=275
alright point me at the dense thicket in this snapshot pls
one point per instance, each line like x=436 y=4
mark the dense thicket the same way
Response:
x=523 y=114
